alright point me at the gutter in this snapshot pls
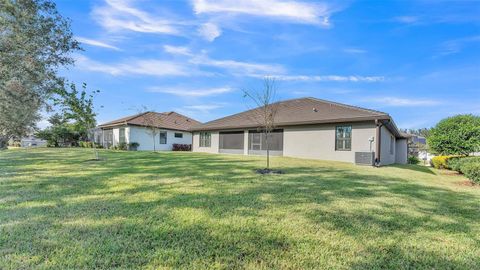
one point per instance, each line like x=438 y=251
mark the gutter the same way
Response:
x=378 y=134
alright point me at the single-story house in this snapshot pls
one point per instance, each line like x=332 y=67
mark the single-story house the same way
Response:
x=308 y=128
x=147 y=129
x=32 y=141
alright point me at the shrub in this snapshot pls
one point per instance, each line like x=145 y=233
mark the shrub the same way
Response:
x=182 y=147
x=133 y=146
x=459 y=135
x=440 y=162
x=52 y=143
x=472 y=171
x=413 y=160
x=123 y=146
x=456 y=163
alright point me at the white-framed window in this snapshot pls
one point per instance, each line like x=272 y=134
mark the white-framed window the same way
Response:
x=392 y=145
x=343 y=138
x=205 y=139
x=163 y=137
x=178 y=135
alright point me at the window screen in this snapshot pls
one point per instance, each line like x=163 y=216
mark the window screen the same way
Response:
x=257 y=140
x=163 y=137
x=231 y=140
x=343 y=136
x=121 y=135
x=178 y=135
x=205 y=139
x=108 y=137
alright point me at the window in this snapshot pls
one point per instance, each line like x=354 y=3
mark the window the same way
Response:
x=231 y=140
x=108 y=138
x=121 y=135
x=257 y=140
x=178 y=135
x=343 y=141
x=392 y=141
x=205 y=139
x=163 y=137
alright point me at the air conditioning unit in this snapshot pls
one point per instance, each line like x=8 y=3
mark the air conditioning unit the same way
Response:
x=365 y=158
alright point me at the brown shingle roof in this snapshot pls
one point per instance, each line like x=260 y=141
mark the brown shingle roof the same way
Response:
x=167 y=120
x=297 y=112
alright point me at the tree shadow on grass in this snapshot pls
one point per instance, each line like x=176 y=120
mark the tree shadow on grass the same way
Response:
x=214 y=211
x=417 y=168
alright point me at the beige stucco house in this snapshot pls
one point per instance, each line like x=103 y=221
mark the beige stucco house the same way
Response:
x=170 y=128
x=308 y=128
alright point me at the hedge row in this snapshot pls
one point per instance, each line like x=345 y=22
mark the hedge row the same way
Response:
x=469 y=166
x=182 y=147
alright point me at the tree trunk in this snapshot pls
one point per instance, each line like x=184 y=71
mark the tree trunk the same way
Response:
x=95 y=149
x=268 y=150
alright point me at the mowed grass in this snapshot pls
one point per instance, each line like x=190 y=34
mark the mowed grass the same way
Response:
x=201 y=211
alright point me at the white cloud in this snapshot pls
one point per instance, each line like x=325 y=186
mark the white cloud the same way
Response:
x=140 y=67
x=402 y=102
x=203 y=107
x=201 y=112
x=177 y=50
x=119 y=15
x=96 y=43
x=354 y=51
x=456 y=45
x=294 y=11
x=237 y=67
x=185 y=92
x=209 y=31
x=42 y=124
x=406 y=19
x=326 y=78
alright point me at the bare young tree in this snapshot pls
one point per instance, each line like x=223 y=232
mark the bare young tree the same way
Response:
x=266 y=110
x=150 y=121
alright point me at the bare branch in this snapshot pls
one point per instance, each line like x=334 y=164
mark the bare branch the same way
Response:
x=265 y=113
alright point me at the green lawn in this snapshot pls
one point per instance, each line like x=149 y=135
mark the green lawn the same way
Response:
x=191 y=210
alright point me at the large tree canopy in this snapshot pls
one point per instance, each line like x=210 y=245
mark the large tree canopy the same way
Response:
x=35 y=41
x=457 y=135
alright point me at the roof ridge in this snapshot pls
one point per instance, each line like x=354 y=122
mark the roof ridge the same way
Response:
x=346 y=105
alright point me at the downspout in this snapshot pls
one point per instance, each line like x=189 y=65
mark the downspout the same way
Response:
x=378 y=134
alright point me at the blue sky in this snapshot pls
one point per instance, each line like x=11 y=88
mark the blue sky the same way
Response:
x=419 y=61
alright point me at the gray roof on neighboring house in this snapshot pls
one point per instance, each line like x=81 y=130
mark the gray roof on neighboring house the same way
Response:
x=301 y=111
x=166 y=120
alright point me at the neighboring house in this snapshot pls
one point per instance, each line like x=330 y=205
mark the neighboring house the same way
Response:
x=32 y=141
x=171 y=128
x=309 y=128
x=417 y=146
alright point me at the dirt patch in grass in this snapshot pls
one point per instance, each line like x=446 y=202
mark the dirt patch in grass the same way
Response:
x=468 y=183
x=94 y=160
x=269 y=171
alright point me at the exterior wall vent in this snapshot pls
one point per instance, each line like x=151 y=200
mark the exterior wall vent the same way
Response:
x=365 y=158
